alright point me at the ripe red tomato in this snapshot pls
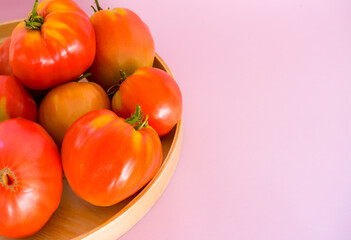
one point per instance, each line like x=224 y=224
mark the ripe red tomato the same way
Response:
x=66 y=103
x=156 y=92
x=15 y=101
x=123 y=41
x=106 y=160
x=30 y=177
x=54 y=45
x=5 y=68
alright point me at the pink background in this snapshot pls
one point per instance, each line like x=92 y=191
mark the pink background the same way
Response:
x=267 y=113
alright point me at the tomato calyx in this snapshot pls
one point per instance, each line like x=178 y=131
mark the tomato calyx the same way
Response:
x=34 y=21
x=97 y=6
x=115 y=87
x=136 y=120
x=8 y=179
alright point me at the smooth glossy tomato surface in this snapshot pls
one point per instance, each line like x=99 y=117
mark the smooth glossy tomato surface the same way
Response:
x=5 y=68
x=123 y=41
x=30 y=177
x=60 y=51
x=106 y=160
x=156 y=92
x=66 y=103
x=15 y=101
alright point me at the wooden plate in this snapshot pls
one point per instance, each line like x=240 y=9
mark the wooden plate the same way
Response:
x=77 y=219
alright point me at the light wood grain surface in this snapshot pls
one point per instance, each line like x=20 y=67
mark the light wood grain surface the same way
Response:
x=77 y=219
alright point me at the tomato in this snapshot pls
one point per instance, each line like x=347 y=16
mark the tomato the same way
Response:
x=156 y=92
x=123 y=41
x=30 y=177
x=15 y=101
x=66 y=103
x=5 y=68
x=54 y=45
x=106 y=160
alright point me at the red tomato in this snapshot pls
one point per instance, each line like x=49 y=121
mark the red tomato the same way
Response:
x=5 y=68
x=156 y=92
x=54 y=45
x=66 y=103
x=123 y=41
x=15 y=101
x=106 y=160
x=30 y=178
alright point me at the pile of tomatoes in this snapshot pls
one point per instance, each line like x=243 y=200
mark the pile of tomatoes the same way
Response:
x=102 y=134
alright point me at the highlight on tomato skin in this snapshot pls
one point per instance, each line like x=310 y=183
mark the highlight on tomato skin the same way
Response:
x=30 y=178
x=15 y=101
x=156 y=92
x=123 y=41
x=106 y=160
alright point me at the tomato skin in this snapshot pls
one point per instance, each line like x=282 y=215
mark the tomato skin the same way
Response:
x=5 y=68
x=28 y=204
x=15 y=101
x=158 y=95
x=123 y=41
x=60 y=52
x=66 y=103
x=105 y=160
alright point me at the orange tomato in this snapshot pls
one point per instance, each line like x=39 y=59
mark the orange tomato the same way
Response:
x=66 y=103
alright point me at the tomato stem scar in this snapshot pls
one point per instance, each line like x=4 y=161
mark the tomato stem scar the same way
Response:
x=8 y=179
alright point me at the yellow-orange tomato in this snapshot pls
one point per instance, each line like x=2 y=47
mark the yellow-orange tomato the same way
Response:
x=66 y=103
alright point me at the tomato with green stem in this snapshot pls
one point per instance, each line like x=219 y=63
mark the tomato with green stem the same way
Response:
x=123 y=41
x=56 y=44
x=107 y=158
x=156 y=92
x=30 y=178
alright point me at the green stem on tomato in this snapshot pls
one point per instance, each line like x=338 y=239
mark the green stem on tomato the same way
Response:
x=97 y=6
x=123 y=75
x=83 y=76
x=115 y=87
x=93 y=8
x=136 y=120
x=34 y=21
x=143 y=123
